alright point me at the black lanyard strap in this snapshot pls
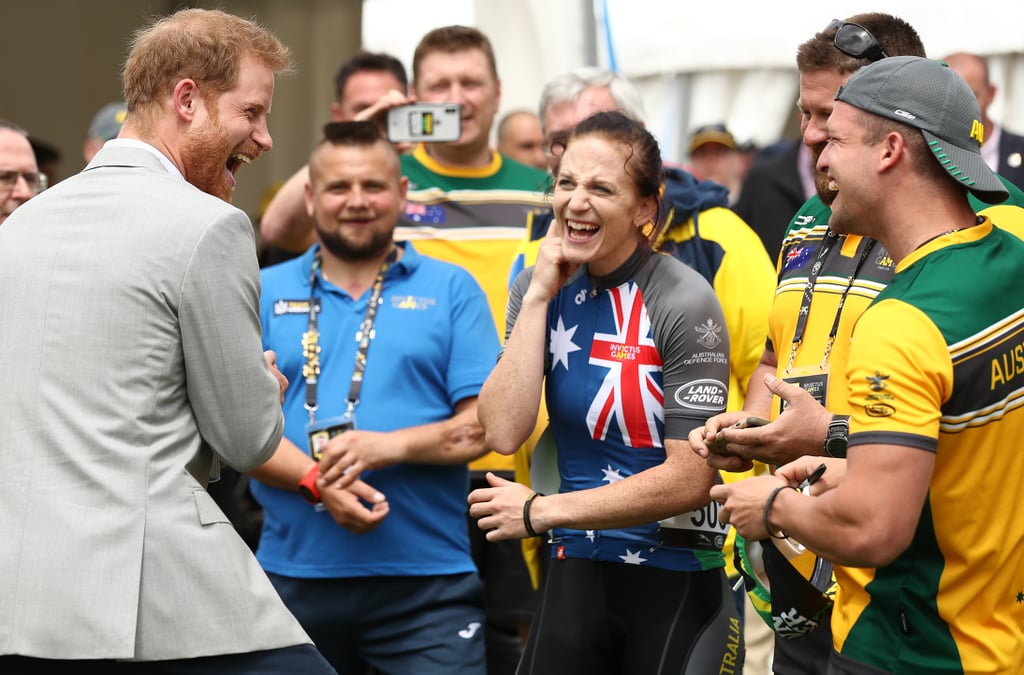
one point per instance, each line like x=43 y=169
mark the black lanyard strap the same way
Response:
x=311 y=338
x=827 y=243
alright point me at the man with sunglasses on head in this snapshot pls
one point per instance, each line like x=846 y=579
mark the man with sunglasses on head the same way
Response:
x=826 y=280
x=934 y=548
x=20 y=179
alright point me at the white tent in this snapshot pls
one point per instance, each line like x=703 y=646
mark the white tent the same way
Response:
x=729 y=61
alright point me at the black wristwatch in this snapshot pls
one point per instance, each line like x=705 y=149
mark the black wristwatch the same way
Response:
x=835 y=438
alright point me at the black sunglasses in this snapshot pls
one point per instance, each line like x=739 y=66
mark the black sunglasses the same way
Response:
x=855 y=40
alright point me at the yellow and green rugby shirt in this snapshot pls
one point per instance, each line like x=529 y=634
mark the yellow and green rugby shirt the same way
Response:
x=841 y=271
x=474 y=218
x=937 y=363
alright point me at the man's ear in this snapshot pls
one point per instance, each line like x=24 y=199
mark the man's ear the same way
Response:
x=893 y=147
x=307 y=193
x=186 y=99
x=403 y=189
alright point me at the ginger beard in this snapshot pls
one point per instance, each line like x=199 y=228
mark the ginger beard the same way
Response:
x=210 y=160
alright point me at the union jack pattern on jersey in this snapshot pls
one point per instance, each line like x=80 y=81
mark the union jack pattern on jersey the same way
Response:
x=606 y=394
x=631 y=392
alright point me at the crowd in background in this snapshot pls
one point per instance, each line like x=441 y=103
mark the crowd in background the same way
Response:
x=538 y=380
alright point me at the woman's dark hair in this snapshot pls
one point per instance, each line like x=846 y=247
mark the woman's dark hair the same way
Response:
x=643 y=164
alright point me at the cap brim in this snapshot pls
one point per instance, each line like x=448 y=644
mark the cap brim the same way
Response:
x=712 y=137
x=969 y=169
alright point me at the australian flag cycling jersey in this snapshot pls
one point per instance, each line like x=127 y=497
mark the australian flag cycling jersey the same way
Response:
x=633 y=358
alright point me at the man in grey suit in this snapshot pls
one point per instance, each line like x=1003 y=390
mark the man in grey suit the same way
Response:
x=130 y=349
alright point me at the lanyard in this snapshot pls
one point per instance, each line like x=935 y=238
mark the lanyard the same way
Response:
x=805 y=302
x=311 y=338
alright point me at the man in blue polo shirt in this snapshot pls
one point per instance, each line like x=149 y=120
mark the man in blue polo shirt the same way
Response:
x=365 y=513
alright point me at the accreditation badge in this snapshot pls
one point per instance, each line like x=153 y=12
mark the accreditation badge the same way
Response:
x=324 y=430
x=812 y=379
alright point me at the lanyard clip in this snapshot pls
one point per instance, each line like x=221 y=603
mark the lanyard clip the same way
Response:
x=792 y=355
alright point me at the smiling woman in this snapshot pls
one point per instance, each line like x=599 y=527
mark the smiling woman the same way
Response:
x=608 y=328
x=606 y=191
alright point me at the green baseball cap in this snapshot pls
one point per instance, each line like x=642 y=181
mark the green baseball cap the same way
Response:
x=106 y=123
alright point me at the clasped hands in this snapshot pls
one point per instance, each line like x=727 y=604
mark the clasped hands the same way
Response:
x=354 y=504
x=793 y=442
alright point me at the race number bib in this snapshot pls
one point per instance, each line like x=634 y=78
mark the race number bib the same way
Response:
x=697 y=529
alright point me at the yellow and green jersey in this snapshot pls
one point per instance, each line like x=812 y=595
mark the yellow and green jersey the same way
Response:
x=474 y=218
x=861 y=269
x=937 y=363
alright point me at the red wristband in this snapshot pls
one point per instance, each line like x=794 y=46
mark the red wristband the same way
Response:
x=307 y=486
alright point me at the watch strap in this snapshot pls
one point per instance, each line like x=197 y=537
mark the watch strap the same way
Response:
x=307 y=486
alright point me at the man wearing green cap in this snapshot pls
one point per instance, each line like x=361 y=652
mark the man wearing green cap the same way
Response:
x=826 y=281
x=935 y=377
x=105 y=125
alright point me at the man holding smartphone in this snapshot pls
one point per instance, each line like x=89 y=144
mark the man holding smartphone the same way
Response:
x=468 y=204
x=361 y=82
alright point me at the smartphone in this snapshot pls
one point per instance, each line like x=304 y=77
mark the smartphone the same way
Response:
x=718 y=445
x=430 y=122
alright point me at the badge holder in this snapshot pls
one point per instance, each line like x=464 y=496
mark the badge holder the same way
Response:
x=324 y=430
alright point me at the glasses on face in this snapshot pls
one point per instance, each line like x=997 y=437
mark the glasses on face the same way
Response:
x=855 y=40
x=36 y=181
x=555 y=145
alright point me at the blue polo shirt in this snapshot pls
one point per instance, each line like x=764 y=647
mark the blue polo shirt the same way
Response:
x=435 y=343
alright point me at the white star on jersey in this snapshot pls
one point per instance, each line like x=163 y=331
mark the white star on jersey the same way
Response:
x=562 y=344
x=632 y=558
x=611 y=475
x=590 y=536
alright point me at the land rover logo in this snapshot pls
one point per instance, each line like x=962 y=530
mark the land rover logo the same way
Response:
x=705 y=394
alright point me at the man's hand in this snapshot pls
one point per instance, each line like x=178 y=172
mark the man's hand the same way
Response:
x=282 y=381
x=378 y=112
x=799 y=430
x=352 y=452
x=348 y=506
x=708 y=442
x=743 y=504
x=798 y=470
x=499 y=508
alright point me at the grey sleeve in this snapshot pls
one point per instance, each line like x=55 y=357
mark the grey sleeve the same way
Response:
x=690 y=334
x=515 y=299
x=235 y=399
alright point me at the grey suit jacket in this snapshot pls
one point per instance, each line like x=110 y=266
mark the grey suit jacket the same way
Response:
x=129 y=337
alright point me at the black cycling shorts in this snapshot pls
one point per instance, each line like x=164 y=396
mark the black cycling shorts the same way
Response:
x=610 y=618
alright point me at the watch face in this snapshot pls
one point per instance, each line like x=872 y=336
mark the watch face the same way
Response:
x=835 y=438
x=308 y=494
x=835 y=446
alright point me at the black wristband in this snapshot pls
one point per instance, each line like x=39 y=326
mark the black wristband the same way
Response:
x=527 y=525
x=767 y=509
